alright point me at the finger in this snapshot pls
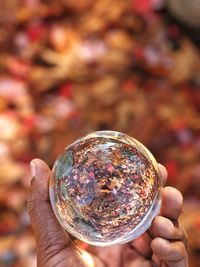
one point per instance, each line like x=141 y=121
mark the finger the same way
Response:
x=51 y=239
x=163 y=172
x=172 y=202
x=172 y=253
x=164 y=228
x=110 y=255
x=40 y=181
x=142 y=245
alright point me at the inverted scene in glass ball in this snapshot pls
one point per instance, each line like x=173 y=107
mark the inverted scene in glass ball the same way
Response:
x=105 y=188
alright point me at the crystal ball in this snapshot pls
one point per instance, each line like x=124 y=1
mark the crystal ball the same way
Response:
x=105 y=188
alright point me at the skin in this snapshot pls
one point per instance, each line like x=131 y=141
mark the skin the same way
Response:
x=164 y=244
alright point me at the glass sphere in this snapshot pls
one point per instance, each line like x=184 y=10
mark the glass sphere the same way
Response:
x=105 y=188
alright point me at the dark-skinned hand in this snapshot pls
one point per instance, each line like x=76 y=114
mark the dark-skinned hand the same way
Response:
x=164 y=244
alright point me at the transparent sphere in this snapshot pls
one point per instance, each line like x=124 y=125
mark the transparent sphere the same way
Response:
x=105 y=188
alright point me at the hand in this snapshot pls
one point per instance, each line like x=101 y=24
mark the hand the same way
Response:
x=164 y=244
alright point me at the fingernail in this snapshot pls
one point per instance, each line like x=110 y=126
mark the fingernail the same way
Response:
x=33 y=169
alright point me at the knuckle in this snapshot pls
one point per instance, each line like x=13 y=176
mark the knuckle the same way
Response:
x=176 y=233
x=178 y=251
x=181 y=234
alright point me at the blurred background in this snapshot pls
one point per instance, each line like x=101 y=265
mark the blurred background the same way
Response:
x=71 y=67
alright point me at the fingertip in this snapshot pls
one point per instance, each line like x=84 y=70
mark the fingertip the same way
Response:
x=159 y=246
x=169 y=251
x=163 y=172
x=172 y=203
x=40 y=181
x=161 y=226
x=173 y=195
x=39 y=163
x=39 y=169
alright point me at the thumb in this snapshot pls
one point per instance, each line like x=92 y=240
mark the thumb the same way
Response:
x=51 y=239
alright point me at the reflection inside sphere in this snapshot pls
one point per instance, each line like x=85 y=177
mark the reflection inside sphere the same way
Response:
x=105 y=188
